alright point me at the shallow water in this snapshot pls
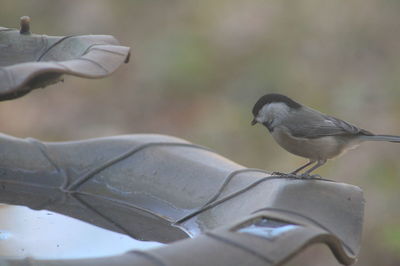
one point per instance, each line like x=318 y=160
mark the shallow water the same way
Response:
x=48 y=235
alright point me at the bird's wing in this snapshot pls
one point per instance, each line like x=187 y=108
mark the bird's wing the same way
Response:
x=310 y=123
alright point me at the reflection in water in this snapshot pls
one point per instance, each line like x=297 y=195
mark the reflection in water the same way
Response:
x=268 y=228
x=48 y=235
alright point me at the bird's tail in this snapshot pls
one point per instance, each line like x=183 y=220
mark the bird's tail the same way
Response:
x=382 y=138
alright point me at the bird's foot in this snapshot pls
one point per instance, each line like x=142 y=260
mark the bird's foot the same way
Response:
x=278 y=173
x=308 y=176
x=289 y=175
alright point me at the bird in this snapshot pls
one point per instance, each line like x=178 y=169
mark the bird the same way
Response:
x=308 y=133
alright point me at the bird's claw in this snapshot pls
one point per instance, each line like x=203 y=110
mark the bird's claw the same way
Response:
x=298 y=176
x=289 y=175
x=278 y=173
x=308 y=176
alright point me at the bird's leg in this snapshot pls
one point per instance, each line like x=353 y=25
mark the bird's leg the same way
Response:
x=302 y=167
x=319 y=164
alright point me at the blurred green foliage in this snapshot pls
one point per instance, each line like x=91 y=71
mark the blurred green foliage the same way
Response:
x=391 y=238
x=197 y=67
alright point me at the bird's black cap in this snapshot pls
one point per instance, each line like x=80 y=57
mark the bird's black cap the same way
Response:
x=274 y=98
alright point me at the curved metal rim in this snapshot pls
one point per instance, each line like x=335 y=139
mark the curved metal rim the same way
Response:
x=225 y=234
x=100 y=59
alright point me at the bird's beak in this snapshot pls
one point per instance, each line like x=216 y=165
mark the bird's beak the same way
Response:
x=254 y=122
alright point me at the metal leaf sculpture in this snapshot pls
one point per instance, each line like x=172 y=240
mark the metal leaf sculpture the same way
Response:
x=161 y=188
x=30 y=61
x=155 y=187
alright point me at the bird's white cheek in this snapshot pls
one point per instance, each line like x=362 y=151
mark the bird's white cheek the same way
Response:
x=259 y=119
x=264 y=117
x=273 y=113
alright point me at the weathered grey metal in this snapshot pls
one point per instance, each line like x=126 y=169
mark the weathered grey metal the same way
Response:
x=155 y=187
x=30 y=61
x=160 y=188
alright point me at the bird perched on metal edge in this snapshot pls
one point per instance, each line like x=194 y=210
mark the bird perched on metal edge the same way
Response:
x=309 y=133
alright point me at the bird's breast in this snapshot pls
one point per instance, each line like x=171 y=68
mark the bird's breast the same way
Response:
x=314 y=148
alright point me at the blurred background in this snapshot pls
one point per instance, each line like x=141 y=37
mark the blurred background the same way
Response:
x=197 y=68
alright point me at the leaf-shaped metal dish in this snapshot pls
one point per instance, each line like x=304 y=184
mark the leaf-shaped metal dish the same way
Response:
x=30 y=61
x=161 y=188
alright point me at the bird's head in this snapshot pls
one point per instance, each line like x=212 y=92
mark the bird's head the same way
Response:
x=272 y=107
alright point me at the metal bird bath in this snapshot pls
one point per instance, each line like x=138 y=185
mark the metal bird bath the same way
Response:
x=30 y=61
x=160 y=188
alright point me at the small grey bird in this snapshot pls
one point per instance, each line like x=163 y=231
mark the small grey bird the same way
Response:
x=308 y=133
